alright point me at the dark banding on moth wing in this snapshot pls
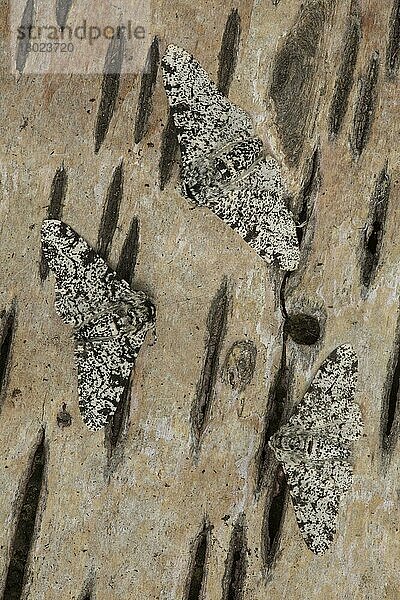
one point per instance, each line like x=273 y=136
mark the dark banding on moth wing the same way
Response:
x=110 y=320
x=223 y=163
x=314 y=447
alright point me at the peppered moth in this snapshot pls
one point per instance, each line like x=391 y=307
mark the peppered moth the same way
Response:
x=110 y=320
x=315 y=447
x=223 y=165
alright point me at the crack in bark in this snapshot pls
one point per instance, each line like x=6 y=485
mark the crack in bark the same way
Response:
x=147 y=87
x=393 y=46
x=62 y=11
x=391 y=402
x=57 y=199
x=6 y=340
x=345 y=77
x=195 y=586
x=110 y=87
x=228 y=55
x=277 y=401
x=216 y=327
x=24 y=41
x=129 y=253
x=274 y=515
x=27 y=525
x=310 y=188
x=110 y=216
x=372 y=238
x=236 y=563
x=365 y=108
x=169 y=151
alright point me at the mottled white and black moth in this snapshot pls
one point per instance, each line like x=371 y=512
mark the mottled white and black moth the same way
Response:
x=314 y=447
x=110 y=320
x=223 y=163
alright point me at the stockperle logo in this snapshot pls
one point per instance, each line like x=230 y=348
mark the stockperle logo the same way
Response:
x=87 y=36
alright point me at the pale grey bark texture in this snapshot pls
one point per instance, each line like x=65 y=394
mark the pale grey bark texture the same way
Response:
x=181 y=498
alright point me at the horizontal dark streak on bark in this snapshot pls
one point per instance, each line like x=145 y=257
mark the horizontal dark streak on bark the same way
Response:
x=62 y=11
x=345 y=78
x=277 y=401
x=169 y=151
x=236 y=563
x=365 y=107
x=6 y=340
x=148 y=84
x=393 y=47
x=27 y=19
x=110 y=87
x=293 y=76
x=27 y=523
x=57 y=199
x=374 y=230
x=129 y=253
x=274 y=515
x=228 y=55
x=197 y=573
x=110 y=216
x=216 y=326
x=309 y=191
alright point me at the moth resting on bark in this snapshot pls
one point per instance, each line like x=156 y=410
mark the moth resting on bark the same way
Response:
x=110 y=320
x=314 y=447
x=223 y=163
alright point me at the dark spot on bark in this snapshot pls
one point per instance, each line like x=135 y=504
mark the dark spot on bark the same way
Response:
x=64 y=418
x=303 y=329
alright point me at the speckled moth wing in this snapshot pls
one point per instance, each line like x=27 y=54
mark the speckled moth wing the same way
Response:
x=223 y=167
x=110 y=320
x=315 y=491
x=329 y=401
x=204 y=118
x=315 y=447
